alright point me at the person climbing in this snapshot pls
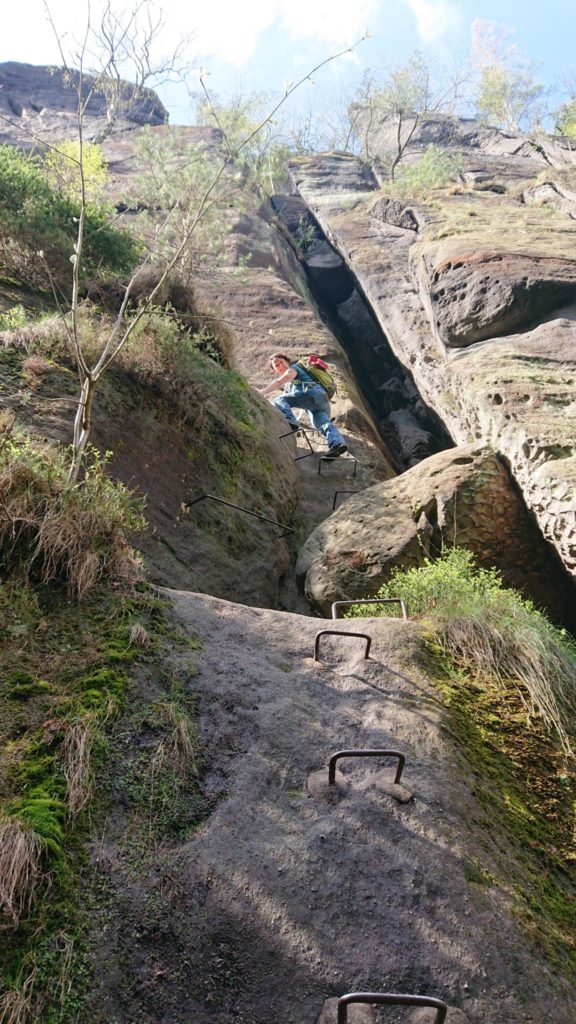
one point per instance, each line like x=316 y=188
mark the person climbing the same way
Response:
x=302 y=391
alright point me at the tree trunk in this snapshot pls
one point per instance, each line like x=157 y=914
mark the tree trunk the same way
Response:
x=82 y=425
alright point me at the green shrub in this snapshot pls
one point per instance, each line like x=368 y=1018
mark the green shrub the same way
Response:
x=489 y=630
x=12 y=318
x=435 y=170
x=61 y=165
x=38 y=227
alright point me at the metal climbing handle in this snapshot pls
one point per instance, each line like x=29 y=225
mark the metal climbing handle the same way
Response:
x=372 y=600
x=240 y=508
x=365 y=753
x=339 y=632
x=390 y=999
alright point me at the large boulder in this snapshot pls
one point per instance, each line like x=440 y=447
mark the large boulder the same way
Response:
x=459 y=497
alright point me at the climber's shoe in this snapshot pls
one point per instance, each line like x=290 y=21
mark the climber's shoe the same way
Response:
x=335 y=450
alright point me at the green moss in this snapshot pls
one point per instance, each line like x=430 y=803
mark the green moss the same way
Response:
x=83 y=655
x=45 y=816
x=477 y=875
x=22 y=685
x=518 y=781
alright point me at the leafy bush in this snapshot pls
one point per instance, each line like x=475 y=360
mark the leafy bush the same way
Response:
x=435 y=170
x=566 y=119
x=49 y=531
x=61 y=165
x=12 y=318
x=38 y=227
x=489 y=630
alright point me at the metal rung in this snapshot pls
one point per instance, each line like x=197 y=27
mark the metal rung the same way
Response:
x=301 y=430
x=372 y=600
x=339 y=632
x=341 y=461
x=336 y=493
x=390 y=999
x=308 y=442
x=240 y=508
x=366 y=753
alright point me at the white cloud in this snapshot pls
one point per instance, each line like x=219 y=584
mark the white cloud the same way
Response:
x=434 y=18
x=227 y=29
x=337 y=22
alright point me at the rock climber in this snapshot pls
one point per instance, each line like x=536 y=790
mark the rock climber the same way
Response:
x=301 y=391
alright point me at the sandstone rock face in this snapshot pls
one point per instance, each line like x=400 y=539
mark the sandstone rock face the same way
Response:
x=477 y=295
x=258 y=289
x=459 y=497
x=408 y=428
x=449 y=282
x=37 y=102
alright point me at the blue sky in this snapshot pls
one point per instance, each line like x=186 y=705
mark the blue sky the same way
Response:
x=261 y=44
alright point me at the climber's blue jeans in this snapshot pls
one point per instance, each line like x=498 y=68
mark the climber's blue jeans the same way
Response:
x=317 y=405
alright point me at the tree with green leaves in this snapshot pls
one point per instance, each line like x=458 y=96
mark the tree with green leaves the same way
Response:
x=404 y=97
x=262 y=161
x=510 y=99
x=566 y=119
x=508 y=94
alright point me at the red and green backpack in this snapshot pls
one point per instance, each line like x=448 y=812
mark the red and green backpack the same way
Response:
x=318 y=369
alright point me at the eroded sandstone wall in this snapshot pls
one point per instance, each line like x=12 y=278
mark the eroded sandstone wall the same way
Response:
x=475 y=290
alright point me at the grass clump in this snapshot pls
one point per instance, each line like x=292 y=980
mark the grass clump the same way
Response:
x=491 y=631
x=20 y=870
x=52 y=532
x=496 y=660
x=161 y=783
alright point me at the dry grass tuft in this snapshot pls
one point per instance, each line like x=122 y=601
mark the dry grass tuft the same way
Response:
x=20 y=871
x=77 y=763
x=34 y=367
x=17 y=1004
x=525 y=650
x=44 y=336
x=139 y=636
x=178 y=747
x=54 y=532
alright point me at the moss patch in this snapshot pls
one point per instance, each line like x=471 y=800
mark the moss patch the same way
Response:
x=528 y=788
x=462 y=223
x=61 y=666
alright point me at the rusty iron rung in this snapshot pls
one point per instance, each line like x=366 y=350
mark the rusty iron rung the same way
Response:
x=390 y=999
x=240 y=508
x=336 y=493
x=366 y=753
x=339 y=632
x=372 y=600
